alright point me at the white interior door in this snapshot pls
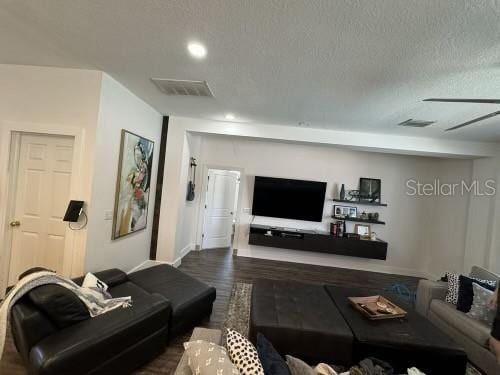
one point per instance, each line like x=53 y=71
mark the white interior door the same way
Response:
x=219 y=209
x=41 y=197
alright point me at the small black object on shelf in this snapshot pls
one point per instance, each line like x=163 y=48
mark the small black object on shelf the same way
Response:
x=342 y=192
x=359 y=220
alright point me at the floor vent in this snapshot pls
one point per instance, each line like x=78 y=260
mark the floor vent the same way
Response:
x=175 y=87
x=416 y=123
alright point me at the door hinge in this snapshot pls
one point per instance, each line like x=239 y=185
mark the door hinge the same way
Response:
x=205 y=207
x=202 y=235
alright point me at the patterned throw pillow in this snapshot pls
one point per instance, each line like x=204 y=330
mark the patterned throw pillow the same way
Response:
x=480 y=310
x=207 y=358
x=299 y=367
x=466 y=292
x=453 y=287
x=243 y=354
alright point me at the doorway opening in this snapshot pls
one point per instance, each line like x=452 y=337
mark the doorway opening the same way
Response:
x=40 y=182
x=220 y=208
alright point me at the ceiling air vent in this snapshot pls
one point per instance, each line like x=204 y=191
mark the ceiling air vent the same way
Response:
x=416 y=123
x=185 y=88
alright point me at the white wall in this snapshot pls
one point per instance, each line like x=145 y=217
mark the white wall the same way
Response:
x=35 y=96
x=447 y=219
x=429 y=249
x=494 y=257
x=483 y=226
x=406 y=217
x=50 y=101
x=93 y=106
x=119 y=109
x=188 y=214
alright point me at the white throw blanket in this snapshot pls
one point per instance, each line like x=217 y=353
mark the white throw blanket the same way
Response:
x=93 y=300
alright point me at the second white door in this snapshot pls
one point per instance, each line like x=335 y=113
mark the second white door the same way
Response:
x=219 y=209
x=42 y=193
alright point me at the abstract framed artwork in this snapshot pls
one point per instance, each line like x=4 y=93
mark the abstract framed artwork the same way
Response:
x=132 y=185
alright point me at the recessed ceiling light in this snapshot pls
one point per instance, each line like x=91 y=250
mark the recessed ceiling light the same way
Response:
x=197 y=50
x=229 y=116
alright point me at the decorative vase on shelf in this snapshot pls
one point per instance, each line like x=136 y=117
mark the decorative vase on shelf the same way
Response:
x=342 y=193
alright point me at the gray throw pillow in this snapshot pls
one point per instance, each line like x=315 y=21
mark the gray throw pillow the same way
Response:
x=207 y=358
x=480 y=310
x=298 y=367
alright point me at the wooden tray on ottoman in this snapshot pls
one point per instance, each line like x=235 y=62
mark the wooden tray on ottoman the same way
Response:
x=369 y=307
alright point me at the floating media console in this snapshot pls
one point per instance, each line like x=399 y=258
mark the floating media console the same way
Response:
x=322 y=242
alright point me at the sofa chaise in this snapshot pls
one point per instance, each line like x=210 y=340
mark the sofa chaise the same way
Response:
x=166 y=301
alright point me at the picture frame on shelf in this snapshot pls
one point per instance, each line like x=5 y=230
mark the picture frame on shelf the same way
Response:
x=344 y=211
x=363 y=230
x=353 y=212
x=370 y=190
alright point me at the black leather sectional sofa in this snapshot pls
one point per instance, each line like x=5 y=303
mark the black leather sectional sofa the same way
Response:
x=166 y=302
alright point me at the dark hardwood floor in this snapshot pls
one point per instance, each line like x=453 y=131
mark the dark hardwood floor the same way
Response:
x=221 y=269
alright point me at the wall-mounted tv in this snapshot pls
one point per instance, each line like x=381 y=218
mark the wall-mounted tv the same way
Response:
x=288 y=199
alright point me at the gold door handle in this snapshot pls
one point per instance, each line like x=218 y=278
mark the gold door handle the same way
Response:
x=15 y=223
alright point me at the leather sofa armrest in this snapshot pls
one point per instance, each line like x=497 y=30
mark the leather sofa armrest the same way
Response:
x=86 y=345
x=427 y=291
x=29 y=325
x=112 y=277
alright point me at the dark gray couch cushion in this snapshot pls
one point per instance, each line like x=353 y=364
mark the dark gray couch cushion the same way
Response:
x=84 y=347
x=61 y=305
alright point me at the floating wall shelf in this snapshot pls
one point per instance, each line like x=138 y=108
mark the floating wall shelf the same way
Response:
x=362 y=203
x=359 y=220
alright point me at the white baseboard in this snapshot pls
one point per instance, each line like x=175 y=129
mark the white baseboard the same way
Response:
x=186 y=250
x=146 y=264
x=328 y=260
x=176 y=263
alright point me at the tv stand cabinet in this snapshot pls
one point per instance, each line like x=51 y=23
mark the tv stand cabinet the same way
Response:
x=322 y=242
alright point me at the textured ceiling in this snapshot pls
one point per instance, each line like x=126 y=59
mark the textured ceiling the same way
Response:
x=360 y=65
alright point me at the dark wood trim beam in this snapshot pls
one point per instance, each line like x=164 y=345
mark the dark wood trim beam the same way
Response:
x=159 y=188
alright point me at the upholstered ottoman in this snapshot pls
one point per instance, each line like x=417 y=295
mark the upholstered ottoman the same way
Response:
x=300 y=320
x=191 y=299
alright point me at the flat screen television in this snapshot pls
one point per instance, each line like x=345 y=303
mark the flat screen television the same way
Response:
x=288 y=199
